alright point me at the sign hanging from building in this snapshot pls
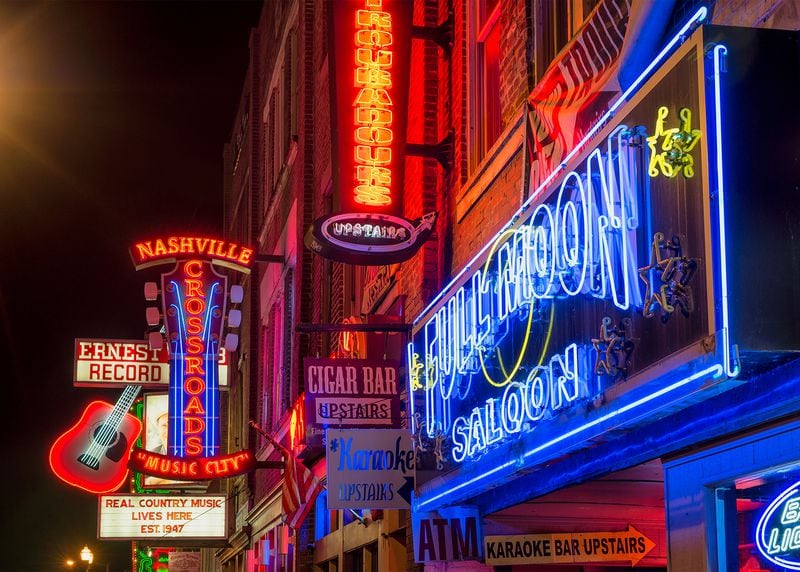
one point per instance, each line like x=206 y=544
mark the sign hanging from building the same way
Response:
x=371 y=47
x=450 y=535
x=161 y=517
x=628 y=546
x=350 y=393
x=370 y=468
x=565 y=318
x=194 y=303
x=113 y=363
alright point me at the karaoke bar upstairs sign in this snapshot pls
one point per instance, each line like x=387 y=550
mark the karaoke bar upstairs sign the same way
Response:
x=371 y=43
x=194 y=303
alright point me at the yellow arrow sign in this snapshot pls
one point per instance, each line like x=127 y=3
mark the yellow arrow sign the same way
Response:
x=568 y=548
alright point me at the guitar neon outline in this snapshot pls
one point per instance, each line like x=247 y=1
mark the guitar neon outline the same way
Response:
x=93 y=454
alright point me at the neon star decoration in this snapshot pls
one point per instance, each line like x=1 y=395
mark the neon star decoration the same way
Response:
x=674 y=154
x=673 y=274
x=614 y=348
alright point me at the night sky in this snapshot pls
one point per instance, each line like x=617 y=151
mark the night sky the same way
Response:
x=113 y=118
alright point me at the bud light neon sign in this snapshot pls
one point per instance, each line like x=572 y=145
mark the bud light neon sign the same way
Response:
x=778 y=529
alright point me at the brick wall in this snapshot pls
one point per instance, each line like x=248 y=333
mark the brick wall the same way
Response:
x=784 y=14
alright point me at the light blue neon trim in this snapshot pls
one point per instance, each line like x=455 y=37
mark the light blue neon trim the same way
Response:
x=720 y=51
x=717 y=371
x=698 y=16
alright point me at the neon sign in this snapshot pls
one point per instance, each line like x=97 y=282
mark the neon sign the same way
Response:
x=371 y=47
x=534 y=296
x=160 y=250
x=373 y=105
x=198 y=469
x=673 y=156
x=194 y=299
x=194 y=296
x=778 y=529
x=583 y=243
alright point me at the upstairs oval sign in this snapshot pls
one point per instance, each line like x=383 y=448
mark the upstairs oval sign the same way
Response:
x=778 y=530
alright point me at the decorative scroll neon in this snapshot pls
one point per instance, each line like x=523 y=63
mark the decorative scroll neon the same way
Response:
x=670 y=149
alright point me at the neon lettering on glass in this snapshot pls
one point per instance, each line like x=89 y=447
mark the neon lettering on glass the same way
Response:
x=373 y=132
x=156 y=251
x=583 y=243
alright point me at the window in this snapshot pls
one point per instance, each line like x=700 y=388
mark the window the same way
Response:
x=280 y=116
x=556 y=22
x=740 y=508
x=486 y=113
x=277 y=346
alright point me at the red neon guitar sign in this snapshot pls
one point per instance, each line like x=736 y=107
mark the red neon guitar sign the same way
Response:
x=93 y=453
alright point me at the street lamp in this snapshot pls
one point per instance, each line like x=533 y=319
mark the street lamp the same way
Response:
x=87 y=556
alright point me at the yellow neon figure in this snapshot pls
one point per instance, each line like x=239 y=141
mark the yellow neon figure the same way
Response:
x=676 y=144
x=416 y=365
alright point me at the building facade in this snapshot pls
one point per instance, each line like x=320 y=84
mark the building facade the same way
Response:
x=599 y=371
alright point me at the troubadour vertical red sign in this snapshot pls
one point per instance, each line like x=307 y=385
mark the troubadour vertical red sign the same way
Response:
x=372 y=52
x=371 y=46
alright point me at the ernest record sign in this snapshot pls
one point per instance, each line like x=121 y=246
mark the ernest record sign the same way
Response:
x=118 y=363
x=350 y=393
x=370 y=468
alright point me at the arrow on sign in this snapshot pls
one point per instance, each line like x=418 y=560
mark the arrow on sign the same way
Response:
x=405 y=490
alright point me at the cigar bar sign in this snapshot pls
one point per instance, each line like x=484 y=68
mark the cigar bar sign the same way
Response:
x=350 y=393
x=113 y=363
x=145 y=517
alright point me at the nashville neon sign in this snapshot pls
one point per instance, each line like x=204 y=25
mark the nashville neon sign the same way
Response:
x=150 y=252
x=582 y=244
x=193 y=301
x=373 y=105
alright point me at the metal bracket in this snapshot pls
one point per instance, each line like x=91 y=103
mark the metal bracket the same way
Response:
x=270 y=464
x=390 y=327
x=441 y=151
x=270 y=259
x=441 y=34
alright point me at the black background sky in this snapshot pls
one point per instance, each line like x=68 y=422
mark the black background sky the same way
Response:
x=113 y=118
